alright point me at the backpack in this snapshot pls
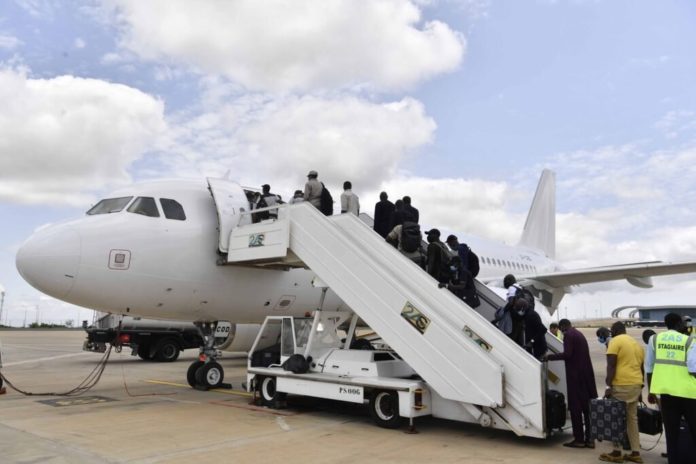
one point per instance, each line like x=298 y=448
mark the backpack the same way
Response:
x=473 y=264
x=326 y=201
x=411 y=237
x=526 y=296
x=296 y=364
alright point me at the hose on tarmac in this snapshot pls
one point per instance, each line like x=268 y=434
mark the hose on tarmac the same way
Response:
x=86 y=385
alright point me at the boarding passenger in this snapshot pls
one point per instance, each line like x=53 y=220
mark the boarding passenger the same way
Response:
x=313 y=189
x=438 y=257
x=534 y=329
x=398 y=215
x=469 y=260
x=407 y=239
x=298 y=197
x=516 y=314
x=268 y=199
x=625 y=383
x=670 y=365
x=603 y=336
x=349 y=200
x=555 y=331
x=384 y=210
x=462 y=283
x=410 y=213
x=581 y=382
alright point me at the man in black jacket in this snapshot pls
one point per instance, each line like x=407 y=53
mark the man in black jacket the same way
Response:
x=384 y=209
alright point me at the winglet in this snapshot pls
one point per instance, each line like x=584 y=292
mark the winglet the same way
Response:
x=540 y=228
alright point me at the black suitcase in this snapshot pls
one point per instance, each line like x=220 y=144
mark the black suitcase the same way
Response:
x=555 y=410
x=608 y=420
x=649 y=420
x=686 y=451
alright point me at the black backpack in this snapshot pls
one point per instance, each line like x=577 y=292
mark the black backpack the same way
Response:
x=473 y=263
x=526 y=296
x=411 y=237
x=326 y=201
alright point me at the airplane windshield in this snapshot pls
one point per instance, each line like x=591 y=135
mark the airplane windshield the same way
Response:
x=109 y=205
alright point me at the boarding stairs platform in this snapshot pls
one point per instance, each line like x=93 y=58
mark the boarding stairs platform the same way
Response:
x=454 y=348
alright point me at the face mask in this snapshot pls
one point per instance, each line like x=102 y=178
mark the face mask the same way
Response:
x=602 y=340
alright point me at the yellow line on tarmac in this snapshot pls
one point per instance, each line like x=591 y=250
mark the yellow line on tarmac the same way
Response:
x=216 y=390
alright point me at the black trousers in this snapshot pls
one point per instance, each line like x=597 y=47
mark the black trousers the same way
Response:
x=673 y=409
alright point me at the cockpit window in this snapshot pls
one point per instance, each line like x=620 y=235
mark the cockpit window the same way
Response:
x=145 y=206
x=172 y=209
x=109 y=205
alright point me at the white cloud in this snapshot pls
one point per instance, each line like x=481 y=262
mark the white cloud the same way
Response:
x=62 y=137
x=79 y=43
x=9 y=42
x=281 y=45
x=278 y=139
x=677 y=122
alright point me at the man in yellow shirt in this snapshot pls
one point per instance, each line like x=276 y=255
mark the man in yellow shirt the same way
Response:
x=625 y=382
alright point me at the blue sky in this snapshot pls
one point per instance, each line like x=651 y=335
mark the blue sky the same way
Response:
x=459 y=103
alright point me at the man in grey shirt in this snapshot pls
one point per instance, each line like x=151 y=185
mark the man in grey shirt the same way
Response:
x=312 y=189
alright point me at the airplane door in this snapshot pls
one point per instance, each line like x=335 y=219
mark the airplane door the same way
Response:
x=229 y=200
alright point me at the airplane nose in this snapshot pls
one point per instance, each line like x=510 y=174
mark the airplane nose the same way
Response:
x=49 y=260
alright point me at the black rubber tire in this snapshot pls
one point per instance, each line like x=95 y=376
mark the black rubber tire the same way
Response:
x=167 y=350
x=270 y=397
x=384 y=409
x=191 y=373
x=144 y=352
x=210 y=375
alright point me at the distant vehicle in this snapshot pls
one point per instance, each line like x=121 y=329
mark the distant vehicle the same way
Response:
x=151 y=340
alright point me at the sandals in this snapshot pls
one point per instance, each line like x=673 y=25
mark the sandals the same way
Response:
x=608 y=457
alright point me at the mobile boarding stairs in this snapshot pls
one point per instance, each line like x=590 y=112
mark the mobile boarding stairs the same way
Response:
x=459 y=365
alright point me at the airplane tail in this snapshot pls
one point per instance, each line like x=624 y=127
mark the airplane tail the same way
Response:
x=540 y=228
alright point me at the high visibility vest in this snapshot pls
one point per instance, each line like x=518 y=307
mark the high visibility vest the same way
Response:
x=670 y=374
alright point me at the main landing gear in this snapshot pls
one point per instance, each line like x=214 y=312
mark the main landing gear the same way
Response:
x=206 y=372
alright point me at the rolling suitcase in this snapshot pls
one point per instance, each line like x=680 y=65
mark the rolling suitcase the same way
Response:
x=686 y=451
x=555 y=410
x=608 y=420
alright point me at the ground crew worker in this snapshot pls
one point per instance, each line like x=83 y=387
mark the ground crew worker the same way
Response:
x=670 y=364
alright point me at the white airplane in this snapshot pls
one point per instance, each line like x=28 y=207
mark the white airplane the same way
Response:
x=153 y=250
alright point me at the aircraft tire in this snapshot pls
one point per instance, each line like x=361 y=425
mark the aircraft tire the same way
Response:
x=270 y=397
x=191 y=373
x=384 y=409
x=167 y=350
x=210 y=375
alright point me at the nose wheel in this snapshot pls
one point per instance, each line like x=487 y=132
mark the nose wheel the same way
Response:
x=205 y=375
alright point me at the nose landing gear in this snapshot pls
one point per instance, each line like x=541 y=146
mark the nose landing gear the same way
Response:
x=206 y=372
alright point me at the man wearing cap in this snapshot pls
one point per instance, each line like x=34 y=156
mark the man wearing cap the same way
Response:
x=312 y=189
x=438 y=257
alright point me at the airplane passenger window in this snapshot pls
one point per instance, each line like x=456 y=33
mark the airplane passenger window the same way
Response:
x=145 y=206
x=172 y=209
x=109 y=205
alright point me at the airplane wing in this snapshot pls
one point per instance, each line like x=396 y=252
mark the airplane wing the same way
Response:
x=551 y=287
x=637 y=274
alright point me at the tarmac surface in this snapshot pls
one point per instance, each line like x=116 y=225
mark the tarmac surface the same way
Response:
x=144 y=412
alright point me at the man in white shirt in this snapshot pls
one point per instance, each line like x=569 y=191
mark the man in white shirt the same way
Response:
x=349 y=200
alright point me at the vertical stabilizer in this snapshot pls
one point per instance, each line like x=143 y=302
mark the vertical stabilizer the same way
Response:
x=540 y=228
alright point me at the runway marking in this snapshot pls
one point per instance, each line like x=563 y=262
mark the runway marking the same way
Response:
x=282 y=424
x=50 y=358
x=216 y=390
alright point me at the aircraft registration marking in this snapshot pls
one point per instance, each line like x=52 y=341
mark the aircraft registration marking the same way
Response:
x=415 y=317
